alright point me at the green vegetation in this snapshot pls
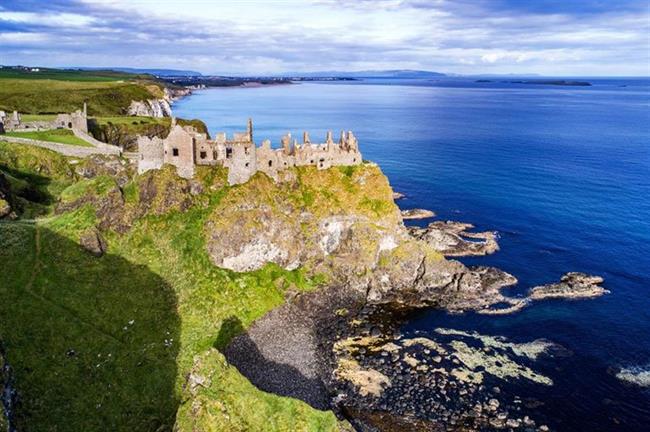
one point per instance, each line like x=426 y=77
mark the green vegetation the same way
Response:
x=108 y=343
x=37 y=117
x=36 y=176
x=70 y=75
x=62 y=136
x=45 y=96
x=122 y=131
x=52 y=91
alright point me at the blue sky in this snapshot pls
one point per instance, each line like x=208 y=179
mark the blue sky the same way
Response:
x=551 y=37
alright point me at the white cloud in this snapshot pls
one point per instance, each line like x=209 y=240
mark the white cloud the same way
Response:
x=258 y=37
x=47 y=19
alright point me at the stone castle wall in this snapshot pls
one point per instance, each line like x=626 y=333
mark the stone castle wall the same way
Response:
x=77 y=120
x=185 y=148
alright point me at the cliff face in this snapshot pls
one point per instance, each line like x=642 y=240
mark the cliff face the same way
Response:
x=150 y=108
x=160 y=107
x=343 y=224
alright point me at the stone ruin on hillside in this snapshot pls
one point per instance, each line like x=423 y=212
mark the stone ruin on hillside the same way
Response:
x=77 y=120
x=185 y=148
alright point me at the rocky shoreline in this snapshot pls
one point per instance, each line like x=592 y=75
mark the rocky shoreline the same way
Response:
x=342 y=349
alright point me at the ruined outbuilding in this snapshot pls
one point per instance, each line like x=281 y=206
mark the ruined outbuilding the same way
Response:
x=77 y=120
x=186 y=148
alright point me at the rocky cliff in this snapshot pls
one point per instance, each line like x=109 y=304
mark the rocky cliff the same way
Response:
x=150 y=108
x=157 y=107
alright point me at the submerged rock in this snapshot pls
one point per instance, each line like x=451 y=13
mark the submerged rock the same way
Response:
x=572 y=285
x=636 y=375
x=450 y=239
x=417 y=214
x=398 y=195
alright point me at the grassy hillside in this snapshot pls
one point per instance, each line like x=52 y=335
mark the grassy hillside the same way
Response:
x=63 y=136
x=53 y=91
x=120 y=342
x=69 y=75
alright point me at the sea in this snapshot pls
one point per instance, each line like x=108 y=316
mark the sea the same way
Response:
x=562 y=173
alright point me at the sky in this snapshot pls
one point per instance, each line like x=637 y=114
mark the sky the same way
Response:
x=252 y=37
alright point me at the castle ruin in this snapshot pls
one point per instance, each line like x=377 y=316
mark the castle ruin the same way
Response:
x=185 y=148
x=77 y=120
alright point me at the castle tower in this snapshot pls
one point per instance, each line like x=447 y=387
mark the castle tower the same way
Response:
x=351 y=141
x=286 y=144
x=249 y=129
x=305 y=138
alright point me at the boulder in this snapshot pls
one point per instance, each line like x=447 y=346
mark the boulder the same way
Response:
x=93 y=242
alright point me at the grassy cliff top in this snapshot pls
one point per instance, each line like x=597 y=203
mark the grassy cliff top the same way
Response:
x=54 y=91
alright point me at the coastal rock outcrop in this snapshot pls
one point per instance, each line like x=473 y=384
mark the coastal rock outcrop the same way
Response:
x=450 y=239
x=412 y=214
x=348 y=228
x=573 y=285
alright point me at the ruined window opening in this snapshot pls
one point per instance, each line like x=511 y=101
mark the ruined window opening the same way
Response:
x=70 y=125
x=354 y=160
x=203 y=155
x=228 y=153
x=247 y=164
x=245 y=150
x=214 y=155
x=270 y=163
x=175 y=152
x=311 y=161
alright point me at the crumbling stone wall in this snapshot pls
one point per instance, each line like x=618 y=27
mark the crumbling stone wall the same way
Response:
x=150 y=153
x=178 y=150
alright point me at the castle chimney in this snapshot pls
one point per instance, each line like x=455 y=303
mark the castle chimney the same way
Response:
x=305 y=138
x=342 y=139
x=15 y=116
x=85 y=109
x=286 y=144
x=173 y=121
x=249 y=129
x=329 y=140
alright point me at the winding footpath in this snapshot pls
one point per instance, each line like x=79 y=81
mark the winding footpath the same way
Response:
x=97 y=147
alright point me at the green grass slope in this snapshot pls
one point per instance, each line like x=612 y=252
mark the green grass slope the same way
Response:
x=53 y=91
x=62 y=136
x=111 y=343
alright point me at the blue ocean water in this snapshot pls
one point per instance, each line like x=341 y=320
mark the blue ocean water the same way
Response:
x=562 y=173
